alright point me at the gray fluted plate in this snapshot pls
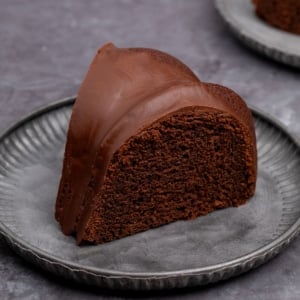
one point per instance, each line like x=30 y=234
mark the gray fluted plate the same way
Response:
x=277 y=44
x=222 y=244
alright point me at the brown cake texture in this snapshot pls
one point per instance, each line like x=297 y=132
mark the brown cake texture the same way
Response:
x=149 y=144
x=284 y=14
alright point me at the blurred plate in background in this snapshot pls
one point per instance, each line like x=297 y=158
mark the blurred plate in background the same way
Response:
x=255 y=33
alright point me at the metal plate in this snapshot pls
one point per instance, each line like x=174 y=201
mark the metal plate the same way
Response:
x=222 y=244
x=259 y=35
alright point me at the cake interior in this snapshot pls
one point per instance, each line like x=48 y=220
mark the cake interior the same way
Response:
x=184 y=165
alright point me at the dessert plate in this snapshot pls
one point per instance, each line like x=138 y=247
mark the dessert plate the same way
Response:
x=259 y=35
x=222 y=244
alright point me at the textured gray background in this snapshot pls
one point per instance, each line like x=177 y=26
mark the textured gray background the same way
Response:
x=45 y=48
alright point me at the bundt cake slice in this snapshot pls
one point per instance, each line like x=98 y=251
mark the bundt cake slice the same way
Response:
x=149 y=144
x=284 y=14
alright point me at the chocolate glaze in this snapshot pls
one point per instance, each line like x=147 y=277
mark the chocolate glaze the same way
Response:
x=124 y=91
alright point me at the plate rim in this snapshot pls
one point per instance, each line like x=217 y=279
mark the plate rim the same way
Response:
x=256 y=257
x=243 y=34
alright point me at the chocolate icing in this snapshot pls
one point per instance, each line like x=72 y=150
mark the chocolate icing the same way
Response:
x=124 y=91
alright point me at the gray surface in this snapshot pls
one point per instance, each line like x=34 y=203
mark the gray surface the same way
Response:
x=272 y=42
x=44 y=52
x=215 y=247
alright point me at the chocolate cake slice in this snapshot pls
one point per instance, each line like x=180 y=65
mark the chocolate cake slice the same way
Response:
x=283 y=14
x=149 y=144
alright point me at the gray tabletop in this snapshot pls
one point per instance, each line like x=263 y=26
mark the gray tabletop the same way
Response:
x=45 y=49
